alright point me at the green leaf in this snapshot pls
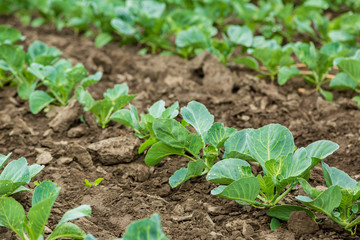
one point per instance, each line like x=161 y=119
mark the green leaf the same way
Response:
x=326 y=202
x=157 y=109
x=244 y=189
x=295 y=165
x=12 y=215
x=8 y=187
x=270 y=142
x=87 y=183
x=43 y=72
x=327 y=95
x=84 y=98
x=194 y=169
x=237 y=146
x=240 y=35
x=102 y=39
x=9 y=35
x=319 y=150
x=122 y=101
x=248 y=62
x=117 y=91
x=97 y=182
x=145 y=229
x=25 y=89
x=218 y=134
x=122 y=27
x=336 y=177
x=146 y=144
x=159 y=151
x=275 y=224
x=283 y=212
x=16 y=171
x=197 y=115
x=342 y=81
x=4 y=159
x=267 y=186
x=43 y=199
x=192 y=37
x=127 y=117
x=352 y=68
x=312 y=192
x=226 y=171
x=12 y=58
x=79 y=212
x=92 y=79
x=175 y=135
x=172 y=111
x=35 y=169
x=39 y=52
x=38 y=100
x=286 y=73
x=67 y=230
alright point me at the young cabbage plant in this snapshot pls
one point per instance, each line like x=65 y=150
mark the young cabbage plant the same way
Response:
x=9 y=35
x=340 y=201
x=114 y=100
x=143 y=127
x=15 y=175
x=272 y=58
x=319 y=62
x=202 y=147
x=31 y=227
x=61 y=80
x=273 y=148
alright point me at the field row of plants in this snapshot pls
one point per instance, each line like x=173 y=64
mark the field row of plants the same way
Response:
x=262 y=35
x=45 y=79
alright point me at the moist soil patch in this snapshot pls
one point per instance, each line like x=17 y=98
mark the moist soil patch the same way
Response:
x=73 y=150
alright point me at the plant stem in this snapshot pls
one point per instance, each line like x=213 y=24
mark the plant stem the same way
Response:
x=282 y=195
x=184 y=155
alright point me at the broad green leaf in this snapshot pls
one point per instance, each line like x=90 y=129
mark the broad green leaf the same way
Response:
x=197 y=115
x=102 y=39
x=92 y=79
x=16 y=171
x=116 y=91
x=244 y=189
x=35 y=169
x=267 y=186
x=352 y=68
x=326 y=202
x=240 y=35
x=319 y=150
x=336 y=177
x=226 y=171
x=159 y=151
x=9 y=35
x=192 y=37
x=38 y=100
x=341 y=36
x=237 y=146
x=25 y=89
x=145 y=229
x=286 y=73
x=248 y=62
x=146 y=144
x=342 y=81
x=327 y=95
x=175 y=135
x=275 y=224
x=4 y=159
x=127 y=118
x=74 y=76
x=12 y=215
x=43 y=72
x=157 y=109
x=172 y=111
x=122 y=27
x=295 y=165
x=270 y=142
x=194 y=169
x=122 y=101
x=43 y=199
x=8 y=187
x=12 y=58
x=81 y=211
x=218 y=134
x=84 y=98
x=67 y=230
x=283 y=212
x=39 y=52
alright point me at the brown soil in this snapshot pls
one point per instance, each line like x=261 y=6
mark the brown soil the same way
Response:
x=131 y=190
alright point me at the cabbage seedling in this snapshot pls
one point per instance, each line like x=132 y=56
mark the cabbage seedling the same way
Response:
x=15 y=175
x=143 y=127
x=340 y=201
x=31 y=227
x=273 y=148
x=114 y=100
